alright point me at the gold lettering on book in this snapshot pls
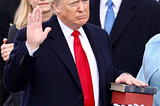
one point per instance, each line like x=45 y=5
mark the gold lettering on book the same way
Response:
x=142 y=90
x=131 y=89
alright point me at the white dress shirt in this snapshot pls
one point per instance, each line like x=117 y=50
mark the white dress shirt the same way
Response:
x=104 y=7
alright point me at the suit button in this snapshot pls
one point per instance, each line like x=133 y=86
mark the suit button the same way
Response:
x=80 y=96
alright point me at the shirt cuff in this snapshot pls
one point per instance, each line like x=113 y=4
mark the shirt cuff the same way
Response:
x=31 y=52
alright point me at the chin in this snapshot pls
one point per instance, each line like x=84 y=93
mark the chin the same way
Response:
x=45 y=9
x=83 y=20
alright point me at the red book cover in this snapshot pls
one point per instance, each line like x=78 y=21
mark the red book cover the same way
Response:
x=127 y=98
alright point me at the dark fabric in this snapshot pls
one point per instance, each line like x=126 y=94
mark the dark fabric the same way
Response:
x=13 y=100
x=50 y=78
x=7 y=10
x=137 y=21
x=12 y=33
x=4 y=94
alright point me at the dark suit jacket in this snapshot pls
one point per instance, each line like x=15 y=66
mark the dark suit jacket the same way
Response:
x=50 y=78
x=136 y=22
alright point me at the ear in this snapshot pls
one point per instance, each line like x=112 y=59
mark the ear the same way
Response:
x=55 y=7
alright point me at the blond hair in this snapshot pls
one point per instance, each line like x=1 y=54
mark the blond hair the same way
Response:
x=21 y=15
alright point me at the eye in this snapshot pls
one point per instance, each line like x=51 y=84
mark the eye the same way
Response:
x=85 y=1
x=74 y=3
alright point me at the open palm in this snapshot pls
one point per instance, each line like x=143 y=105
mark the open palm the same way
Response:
x=35 y=33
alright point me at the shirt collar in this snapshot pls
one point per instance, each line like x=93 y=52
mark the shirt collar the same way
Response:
x=68 y=31
x=116 y=3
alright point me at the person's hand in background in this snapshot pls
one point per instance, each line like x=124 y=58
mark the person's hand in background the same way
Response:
x=6 y=49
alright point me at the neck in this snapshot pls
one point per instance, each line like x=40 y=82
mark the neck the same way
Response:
x=46 y=15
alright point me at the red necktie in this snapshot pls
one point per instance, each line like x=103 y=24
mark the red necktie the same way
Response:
x=83 y=71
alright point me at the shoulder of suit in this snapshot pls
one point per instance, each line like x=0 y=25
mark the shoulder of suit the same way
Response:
x=93 y=26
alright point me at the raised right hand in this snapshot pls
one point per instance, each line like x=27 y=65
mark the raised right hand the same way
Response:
x=35 y=33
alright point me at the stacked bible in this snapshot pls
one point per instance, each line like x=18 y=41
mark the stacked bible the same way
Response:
x=130 y=94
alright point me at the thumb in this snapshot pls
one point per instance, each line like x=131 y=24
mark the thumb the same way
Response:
x=47 y=30
x=5 y=40
x=118 y=80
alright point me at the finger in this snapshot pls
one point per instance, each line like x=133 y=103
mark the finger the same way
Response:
x=29 y=19
x=120 y=79
x=33 y=15
x=40 y=15
x=124 y=78
x=11 y=45
x=5 y=40
x=6 y=58
x=37 y=15
x=117 y=80
x=6 y=48
x=140 y=83
x=6 y=54
x=3 y=48
x=132 y=81
x=136 y=82
x=47 y=30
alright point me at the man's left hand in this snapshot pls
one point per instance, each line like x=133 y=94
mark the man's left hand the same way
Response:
x=130 y=80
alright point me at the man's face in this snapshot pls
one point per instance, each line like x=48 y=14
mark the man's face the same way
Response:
x=73 y=13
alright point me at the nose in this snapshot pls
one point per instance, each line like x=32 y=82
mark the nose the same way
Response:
x=81 y=6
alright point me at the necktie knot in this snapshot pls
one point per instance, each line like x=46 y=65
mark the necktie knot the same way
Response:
x=109 y=3
x=75 y=34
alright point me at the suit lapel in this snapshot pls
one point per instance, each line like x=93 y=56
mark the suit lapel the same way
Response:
x=60 y=47
x=94 y=42
x=124 y=16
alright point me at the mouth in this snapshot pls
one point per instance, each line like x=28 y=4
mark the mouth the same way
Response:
x=44 y=4
x=82 y=16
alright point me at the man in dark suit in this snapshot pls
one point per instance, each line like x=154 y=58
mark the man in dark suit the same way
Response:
x=44 y=63
x=136 y=22
x=7 y=10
